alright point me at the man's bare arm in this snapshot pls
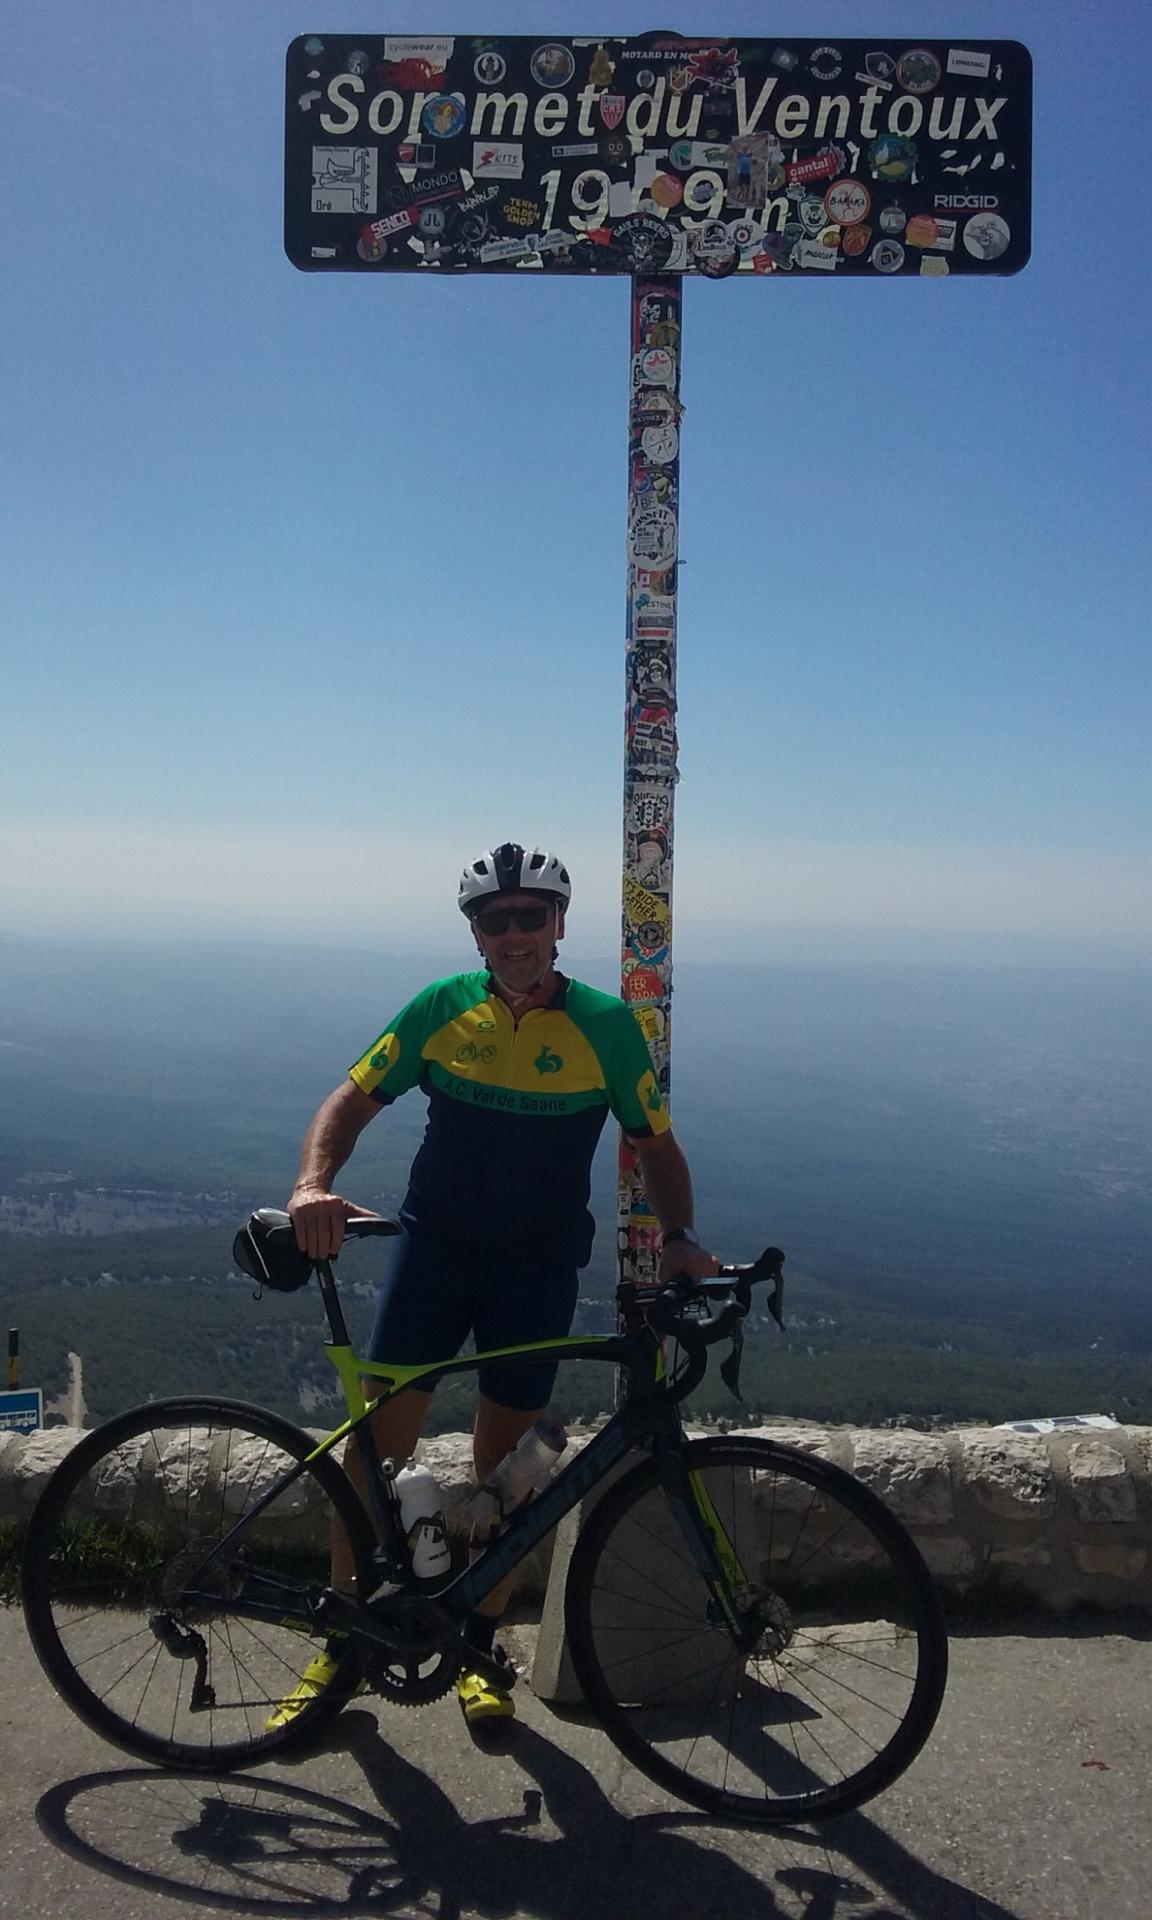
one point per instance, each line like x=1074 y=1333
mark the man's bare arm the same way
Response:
x=318 y=1214
x=668 y=1185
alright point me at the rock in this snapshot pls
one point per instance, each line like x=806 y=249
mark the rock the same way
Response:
x=949 y=1558
x=1102 y=1487
x=1019 y=1555
x=1117 y=1563
x=39 y=1455
x=912 y=1476
x=1009 y=1474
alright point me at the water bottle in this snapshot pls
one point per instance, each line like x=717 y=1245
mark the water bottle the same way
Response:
x=521 y=1472
x=422 y=1517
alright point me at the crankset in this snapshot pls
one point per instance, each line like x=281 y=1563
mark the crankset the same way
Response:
x=422 y=1657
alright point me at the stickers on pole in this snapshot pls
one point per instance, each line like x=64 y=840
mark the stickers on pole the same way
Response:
x=650 y=769
x=657 y=154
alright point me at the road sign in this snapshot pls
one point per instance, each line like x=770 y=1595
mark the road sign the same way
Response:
x=21 y=1411
x=658 y=155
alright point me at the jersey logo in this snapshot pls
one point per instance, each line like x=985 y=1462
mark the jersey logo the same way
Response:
x=649 y=1090
x=548 y=1062
x=470 y=1051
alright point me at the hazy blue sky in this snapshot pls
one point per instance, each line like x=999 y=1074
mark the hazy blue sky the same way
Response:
x=311 y=585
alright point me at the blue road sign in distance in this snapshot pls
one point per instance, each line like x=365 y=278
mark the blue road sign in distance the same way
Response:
x=21 y=1410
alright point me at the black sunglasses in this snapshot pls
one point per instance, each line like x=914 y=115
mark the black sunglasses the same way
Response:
x=498 y=919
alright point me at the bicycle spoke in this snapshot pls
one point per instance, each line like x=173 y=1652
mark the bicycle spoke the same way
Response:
x=813 y=1703
x=141 y=1549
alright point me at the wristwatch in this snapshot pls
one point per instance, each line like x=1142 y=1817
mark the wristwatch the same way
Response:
x=678 y=1233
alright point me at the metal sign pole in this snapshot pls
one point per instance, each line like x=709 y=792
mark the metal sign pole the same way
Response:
x=650 y=745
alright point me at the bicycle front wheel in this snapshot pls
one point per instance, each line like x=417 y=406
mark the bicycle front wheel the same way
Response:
x=169 y=1580
x=829 y=1681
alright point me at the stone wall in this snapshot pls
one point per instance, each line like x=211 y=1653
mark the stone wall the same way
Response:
x=1059 y=1520
x=1064 y=1519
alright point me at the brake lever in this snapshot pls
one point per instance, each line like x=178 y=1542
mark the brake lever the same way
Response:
x=776 y=1302
x=729 y=1325
x=730 y=1366
x=770 y=1266
x=773 y=1259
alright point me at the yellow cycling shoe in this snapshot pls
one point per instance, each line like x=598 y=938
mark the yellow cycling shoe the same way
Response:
x=318 y=1674
x=481 y=1699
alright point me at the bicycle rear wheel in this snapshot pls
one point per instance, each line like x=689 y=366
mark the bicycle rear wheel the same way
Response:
x=842 y=1657
x=171 y=1650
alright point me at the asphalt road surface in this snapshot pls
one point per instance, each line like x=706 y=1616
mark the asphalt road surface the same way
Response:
x=1031 y=1802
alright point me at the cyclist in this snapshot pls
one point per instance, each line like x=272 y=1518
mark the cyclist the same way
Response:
x=520 y=1066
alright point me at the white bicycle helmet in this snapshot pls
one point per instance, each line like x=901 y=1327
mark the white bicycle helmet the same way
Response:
x=509 y=869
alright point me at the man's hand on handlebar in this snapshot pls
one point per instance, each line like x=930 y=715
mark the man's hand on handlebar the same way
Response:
x=318 y=1219
x=683 y=1257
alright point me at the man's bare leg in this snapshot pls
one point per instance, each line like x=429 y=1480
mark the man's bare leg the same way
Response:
x=497 y=1431
x=397 y=1427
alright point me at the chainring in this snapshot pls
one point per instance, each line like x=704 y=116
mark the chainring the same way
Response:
x=425 y=1660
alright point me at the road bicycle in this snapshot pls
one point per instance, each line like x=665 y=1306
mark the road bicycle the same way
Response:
x=747 y=1622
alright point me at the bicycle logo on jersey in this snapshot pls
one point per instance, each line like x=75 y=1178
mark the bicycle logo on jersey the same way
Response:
x=470 y=1052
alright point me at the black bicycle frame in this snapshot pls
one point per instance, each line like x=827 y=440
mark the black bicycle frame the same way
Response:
x=649 y=1416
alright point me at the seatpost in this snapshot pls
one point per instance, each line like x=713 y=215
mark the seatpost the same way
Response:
x=332 y=1307
x=377 y=1476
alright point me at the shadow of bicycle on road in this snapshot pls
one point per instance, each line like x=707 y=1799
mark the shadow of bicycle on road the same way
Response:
x=252 y=1844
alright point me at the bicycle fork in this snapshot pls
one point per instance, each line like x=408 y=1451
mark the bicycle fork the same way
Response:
x=715 y=1554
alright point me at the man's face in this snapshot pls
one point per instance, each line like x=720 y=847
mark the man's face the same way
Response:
x=519 y=956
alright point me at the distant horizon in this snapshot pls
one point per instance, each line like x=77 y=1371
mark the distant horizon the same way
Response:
x=800 y=898
x=313 y=585
x=785 y=946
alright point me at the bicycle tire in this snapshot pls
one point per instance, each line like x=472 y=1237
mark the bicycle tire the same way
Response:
x=846 y=1675
x=120 y=1531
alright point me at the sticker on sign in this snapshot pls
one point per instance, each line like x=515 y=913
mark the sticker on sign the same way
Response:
x=494 y=161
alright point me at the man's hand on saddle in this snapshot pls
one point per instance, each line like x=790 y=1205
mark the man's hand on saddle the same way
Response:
x=318 y=1217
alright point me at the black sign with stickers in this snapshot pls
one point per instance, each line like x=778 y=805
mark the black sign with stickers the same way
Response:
x=657 y=154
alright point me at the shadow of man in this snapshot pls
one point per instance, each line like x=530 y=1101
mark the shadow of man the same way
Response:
x=597 y=1860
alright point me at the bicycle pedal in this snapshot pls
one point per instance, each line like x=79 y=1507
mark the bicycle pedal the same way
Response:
x=496 y=1667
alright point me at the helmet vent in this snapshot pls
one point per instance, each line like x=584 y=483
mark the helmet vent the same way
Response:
x=507 y=869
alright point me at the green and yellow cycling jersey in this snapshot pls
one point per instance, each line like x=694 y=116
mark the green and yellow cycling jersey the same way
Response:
x=515 y=1108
